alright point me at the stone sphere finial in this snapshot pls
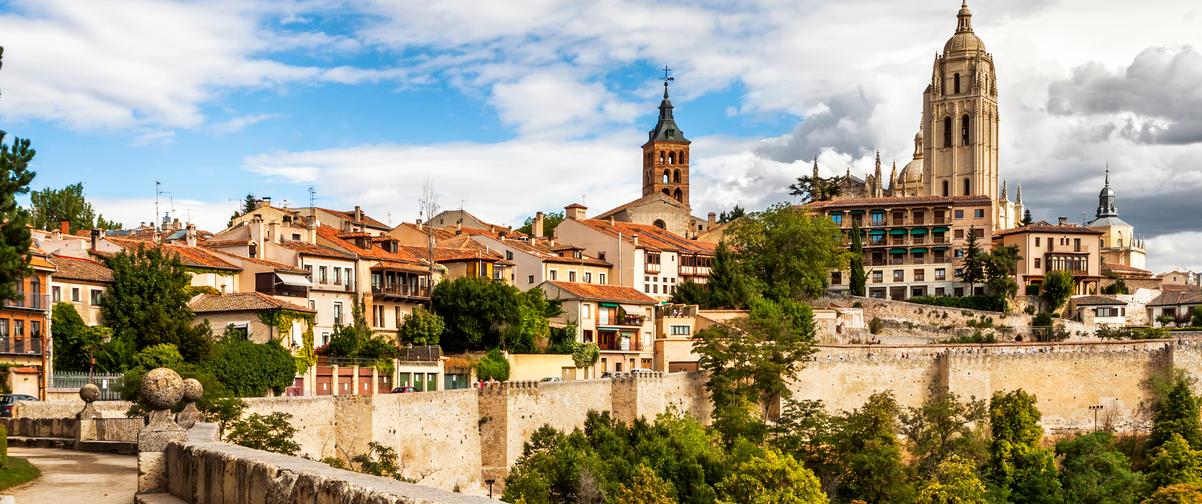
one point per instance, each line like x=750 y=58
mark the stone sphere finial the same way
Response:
x=162 y=388
x=193 y=390
x=89 y=393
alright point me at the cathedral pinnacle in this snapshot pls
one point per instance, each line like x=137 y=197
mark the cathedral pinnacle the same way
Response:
x=965 y=19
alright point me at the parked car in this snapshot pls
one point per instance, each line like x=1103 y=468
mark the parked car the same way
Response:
x=8 y=400
x=638 y=371
x=404 y=390
x=551 y=379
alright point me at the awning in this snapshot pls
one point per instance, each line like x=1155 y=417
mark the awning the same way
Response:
x=877 y=232
x=940 y=230
x=857 y=212
x=837 y=212
x=938 y=248
x=877 y=211
x=918 y=250
x=918 y=231
x=634 y=309
x=897 y=251
x=897 y=232
x=294 y=279
x=609 y=305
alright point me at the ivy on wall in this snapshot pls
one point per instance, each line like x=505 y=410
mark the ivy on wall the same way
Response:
x=281 y=320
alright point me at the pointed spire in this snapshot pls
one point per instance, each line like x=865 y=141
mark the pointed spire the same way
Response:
x=893 y=189
x=964 y=19
x=666 y=129
x=1020 y=195
x=1106 y=199
x=876 y=181
x=1005 y=191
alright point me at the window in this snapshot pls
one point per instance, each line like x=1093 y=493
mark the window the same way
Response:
x=337 y=314
x=979 y=232
x=554 y=275
x=959 y=253
x=509 y=255
x=1107 y=311
x=959 y=233
x=979 y=213
x=836 y=278
x=654 y=289
x=348 y=277
x=601 y=278
x=956 y=84
x=681 y=330
x=940 y=274
x=337 y=276
x=1036 y=241
x=530 y=279
x=322 y=274
x=959 y=214
x=96 y=297
x=586 y=311
x=947 y=131
x=945 y=188
x=571 y=276
x=899 y=275
x=878 y=276
x=312 y=305
x=967 y=187
x=588 y=277
x=940 y=291
x=920 y=275
x=75 y=294
x=837 y=219
x=964 y=130
x=56 y=294
x=4 y=328
x=1037 y=261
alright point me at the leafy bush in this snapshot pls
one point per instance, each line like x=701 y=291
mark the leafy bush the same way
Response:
x=1056 y=289
x=977 y=338
x=382 y=461
x=493 y=366
x=1029 y=310
x=1197 y=319
x=1044 y=319
x=1133 y=333
x=249 y=369
x=1166 y=319
x=876 y=325
x=981 y=303
x=421 y=328
x=160 y=355
x=585 y=355
x=271 y=433
x=224 y=412
x=1032 y=289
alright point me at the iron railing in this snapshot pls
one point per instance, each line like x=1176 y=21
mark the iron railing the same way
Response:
x=29 y=301
x=109 y=383
x=25 y=346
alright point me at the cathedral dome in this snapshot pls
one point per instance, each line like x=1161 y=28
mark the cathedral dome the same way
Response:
x=964 y=40
x=912 y=173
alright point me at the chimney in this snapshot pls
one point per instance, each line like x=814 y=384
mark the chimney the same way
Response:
x=419 y=224
x=358 y=214
x=95 y=238
x=635 y=238
x=537 y=228
x=190 y=235
x=311 y=230
x=1064 y=221
x=458 y=228
x=256 y=229
x=273 y=231
x=575 y=211
x=64 y=226
x=711 y=220
x=263 y=202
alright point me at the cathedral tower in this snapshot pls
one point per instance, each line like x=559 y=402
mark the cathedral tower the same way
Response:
x=960 y=118
x=666 y=156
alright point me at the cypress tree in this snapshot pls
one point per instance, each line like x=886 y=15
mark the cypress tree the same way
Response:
x=727 y=285
x=858 y=276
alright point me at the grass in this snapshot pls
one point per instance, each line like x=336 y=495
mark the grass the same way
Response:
x=16 y=472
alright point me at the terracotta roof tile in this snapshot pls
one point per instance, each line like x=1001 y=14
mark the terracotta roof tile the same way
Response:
x=1173 y=297
x=240 y=301
x=74 y=268
x=595 y=292
x=1097 y=301
x=1123 y=268
x=191 y=256
x=1045 y=227
x=277 y=266
x=652 y=237
x=318 y=250
x=545 y=252
x=861 y=202
x=401 y=257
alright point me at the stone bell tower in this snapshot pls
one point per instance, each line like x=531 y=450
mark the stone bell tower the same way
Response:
x=666 y=155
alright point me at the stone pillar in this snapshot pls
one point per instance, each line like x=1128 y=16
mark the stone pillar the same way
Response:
x=85 y=425
x=334 y=379
x=375 y=381
x=193 y=391
x=161 y=390
x=355 y=380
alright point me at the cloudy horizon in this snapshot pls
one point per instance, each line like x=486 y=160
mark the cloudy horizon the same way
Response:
x=510 y=108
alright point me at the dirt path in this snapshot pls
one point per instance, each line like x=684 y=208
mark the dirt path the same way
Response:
x=72 y=476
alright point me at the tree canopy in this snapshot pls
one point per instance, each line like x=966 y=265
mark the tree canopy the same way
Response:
x=50 y=206
x=1057 y=288
x=551 y=220
x=147 y=303
x=786 y=253
x=15 y=239
x=480 y=314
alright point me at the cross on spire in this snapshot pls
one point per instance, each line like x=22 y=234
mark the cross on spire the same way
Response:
x=667 y=78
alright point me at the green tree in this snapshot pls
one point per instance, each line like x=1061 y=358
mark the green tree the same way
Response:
x=273 y=432
x=479 y=313
x=78 y=347
x=812 y=188
x=646 y=488
x=585 y=355
x=813 y=436
x=1019 y=468
x=973 y=271
x=751 y=361
x=953 y=481
x=1093 y=471
x=944 y=427
x=248 y=205
x=550 y=221
x=771 y=478
x=1197 y=318
x=1027 y=220
x=51 y=206
x=1184 y=493
x=689 y=292
x=1056 y=289
x=421 y=328
x=868 y=440
x=858 y=277
x=15 y=240
x=157 y=356
x=727 y=284
x=528 y=330
x=1174 y=462
x=249 y=369
x=493 y=366
x=1176 y=414
x=786 y=252
x=1001 y=268
x=734 y=213
x=381 y=460
x=147 y=303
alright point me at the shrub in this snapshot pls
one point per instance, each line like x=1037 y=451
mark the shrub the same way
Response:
x=981 y=303
x=382 y=461
x=249 y=369
x=586 y=355
x=1166 y=319
x=160 y=355
x=1197 y=320
x=977 y=338
x=1032 y=289
x=876 y=325
x=1029 y=310
x=271 y=433
x=224 y=412
x=421 y=328
x=1044 y=319
x=493 y=366
x=857 y=304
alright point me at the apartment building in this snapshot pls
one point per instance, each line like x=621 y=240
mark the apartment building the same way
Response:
x=618 y=319
x=648 y=258
x=80 y=282
x=1048 y=247
x=332 y=273
x=538 y=260
x=25 y=327
x=391 y=280
x=913 y=246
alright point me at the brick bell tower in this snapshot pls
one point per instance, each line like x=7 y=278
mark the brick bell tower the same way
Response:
x=666 y=154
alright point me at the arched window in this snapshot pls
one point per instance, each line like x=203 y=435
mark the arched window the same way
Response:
x=947 y=131
x=676 y=176
x=684 y=158
x=671 y=158
x=667 y=192
x=679 y=195
x=667 y=176
x=967 y=187
x=964 y=128
x=661 y=157
x=945 y=188
x=956 y=84
x=659 y=224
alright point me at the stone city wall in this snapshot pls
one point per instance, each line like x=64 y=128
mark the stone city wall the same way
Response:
x=936 y=319
x=312 y=416
x=436 y=435
x=68 y=408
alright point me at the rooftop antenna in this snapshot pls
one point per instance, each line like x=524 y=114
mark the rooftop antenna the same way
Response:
x=158 y=191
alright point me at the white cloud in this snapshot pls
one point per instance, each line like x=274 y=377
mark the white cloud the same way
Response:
x=1176 y=251
x=554 y=105
x=236 y=124
x=207 y=215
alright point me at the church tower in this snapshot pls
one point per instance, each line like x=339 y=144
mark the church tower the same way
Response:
x=666 y=156
x=960 y=119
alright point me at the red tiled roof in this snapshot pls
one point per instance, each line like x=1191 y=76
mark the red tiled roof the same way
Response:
x=307 y=248
x=1123 y=268
x=542 y=250
x=653 y=238
x=1045 y=227
x=595 y=292
x=1172 y=297
x=240 y=301
x=894 y=201
x=401 y=259
x=1097 y=301
x=191 y=256
x=350 y=216
x=277 y=266
x=439 y=233
x=74 y=268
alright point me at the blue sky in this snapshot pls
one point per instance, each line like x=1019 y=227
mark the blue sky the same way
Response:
x=513 y=107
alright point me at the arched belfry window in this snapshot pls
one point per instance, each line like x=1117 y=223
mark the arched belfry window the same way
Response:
x=967 y=187
x=661 y=157
x=667 y=176
x=679 y=195
x=671 y=158
x=947 y=131
x=676 y=176
x=956 y=83
x=965 y=122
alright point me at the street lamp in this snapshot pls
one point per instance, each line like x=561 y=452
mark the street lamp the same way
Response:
x=1095 y=409
x=490 y=482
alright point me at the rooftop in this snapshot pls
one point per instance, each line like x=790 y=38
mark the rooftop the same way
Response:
x=653 y=238
x=1046 y=227
x=240 y=301
x=73 y=268
x=595 y=292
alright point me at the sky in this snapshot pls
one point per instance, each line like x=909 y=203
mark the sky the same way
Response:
x=511 y=107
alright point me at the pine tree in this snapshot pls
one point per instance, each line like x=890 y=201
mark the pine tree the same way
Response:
x=727 y=284
x=858 y=276
x=1027 y=220
x=15 y=240
x=973 y=270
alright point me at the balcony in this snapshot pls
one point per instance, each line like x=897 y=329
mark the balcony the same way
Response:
x=621 y=320
x=39 y=302
x=698 y=270
x=612 y=341
x=21 y=346
x=401 y=290
x=651 y=268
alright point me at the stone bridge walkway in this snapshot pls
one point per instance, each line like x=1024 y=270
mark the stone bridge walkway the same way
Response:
x=72 y=476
